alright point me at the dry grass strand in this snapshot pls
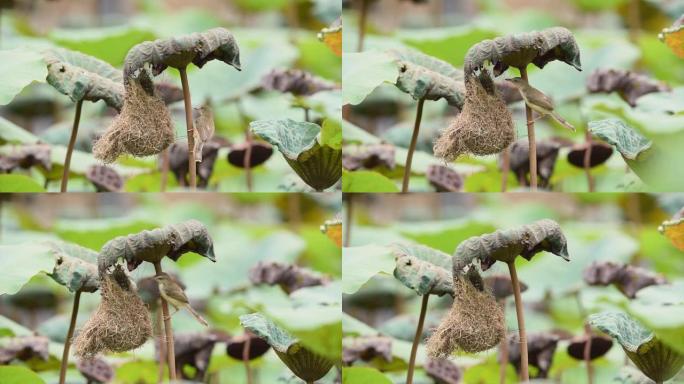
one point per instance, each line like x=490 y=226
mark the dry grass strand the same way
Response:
x=474 y=324
x=484 y=126
x=120 y=323
x=143 y=128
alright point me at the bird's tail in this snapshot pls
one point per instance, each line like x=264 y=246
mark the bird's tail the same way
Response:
x=562 y=121
x=197 y=316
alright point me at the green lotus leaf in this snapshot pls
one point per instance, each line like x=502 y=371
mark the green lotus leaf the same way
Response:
x=21 y=68
x=630 y=144
x=83 y=77
x=172 y=241
x=75 y=267
x=315 y=155
x=423 y=269
x=655 y=359
x=520 y=50
x=304 y=363
x=426 y=77
x=178 y=52
x=506 y=245
x=266 y=329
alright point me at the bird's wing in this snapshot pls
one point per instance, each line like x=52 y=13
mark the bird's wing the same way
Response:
x=540 y=98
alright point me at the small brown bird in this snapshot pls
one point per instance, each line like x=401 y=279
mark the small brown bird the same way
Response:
x=538 y=101
x=174 y=295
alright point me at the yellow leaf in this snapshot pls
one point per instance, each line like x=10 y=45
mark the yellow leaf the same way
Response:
x=674 y=230
x=332 y=36
x=673 y=37
x=333 y=229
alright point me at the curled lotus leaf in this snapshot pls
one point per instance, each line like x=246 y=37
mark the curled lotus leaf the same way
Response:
x=423 y=269
x=266 y=329
x=505 y=245
x=654 y=358
x=75 y=267
x=630 y=144
x=521 y=49
x=83 y=77
x=178 y=52
x=426 y=77
x=304 y=363
x=629 y=85
x=151 y=246
x=628 y=279
x=313 y=155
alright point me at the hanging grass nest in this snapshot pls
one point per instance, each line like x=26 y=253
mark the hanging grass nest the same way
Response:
x=475 y=322
x=120 y=323
x=143 y=128
x=484 y=126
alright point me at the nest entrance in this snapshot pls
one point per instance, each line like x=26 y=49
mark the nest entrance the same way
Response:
x=120 y=323
x=474 y=324
x=484 y=126
x=143 y=128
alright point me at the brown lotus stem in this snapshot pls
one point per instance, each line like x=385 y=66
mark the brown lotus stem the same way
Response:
x=587 y=161
x=162 y=346
x=524 y=373
x=248 y=160
x=164 y=170
x=192 y=165
x=306 y=114
x=70 y=148
x=505 y=168
x=245 y=359
x=587 y=354
x=412 y=147
x=362 y=24
x=70 y=334
x=503 y=350
x=170 y=350
x=530 y=138
x=416 y=339
x=348 y=219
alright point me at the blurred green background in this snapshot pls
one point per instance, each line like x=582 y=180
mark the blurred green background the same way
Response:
x=621 y=228
x=246 y=229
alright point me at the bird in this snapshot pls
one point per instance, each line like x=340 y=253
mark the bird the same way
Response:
x=174 y=295
x=538 y=101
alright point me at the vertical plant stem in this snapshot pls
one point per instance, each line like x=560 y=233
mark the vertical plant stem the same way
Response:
x=164 y=170
x=348 y=219
x=524 y=373
x=245 y=359
x=192 y=165
x=170 y=352
x=505 y=168
x=503 y=350
x=247 y=161
x=362 y=24
x=70 y=335
x=416 y=339
x=587 y=161
x=634 y=20
x=306 y=114
x=587 y=354
x=412 y=147
x=531 y=139
x=162 y=346
x=70 y=148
